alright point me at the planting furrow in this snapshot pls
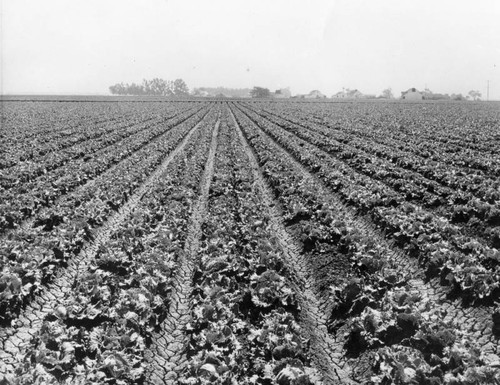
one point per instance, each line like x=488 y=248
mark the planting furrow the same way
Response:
x=392 y=275
x=436 y=144
x=439 y=245
x=47 y=119
x=22 y=203
x=58 y=143
x=406 y=185
x=24 y=133
x=16 y=338
x=439 y=176
x=28 y=171
x=31 y=253
x=124 y=295
x=326 y=351
x=244 y=325
x=166 y=356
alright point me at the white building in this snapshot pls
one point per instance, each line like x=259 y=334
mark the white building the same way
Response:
x=412 y=94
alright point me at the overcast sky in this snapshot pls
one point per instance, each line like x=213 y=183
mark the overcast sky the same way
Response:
x=84 y=46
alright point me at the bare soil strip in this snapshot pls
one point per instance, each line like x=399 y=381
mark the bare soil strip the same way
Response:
x=16 y=339
x=166 y=356
x=325 y=351
x=476 y=320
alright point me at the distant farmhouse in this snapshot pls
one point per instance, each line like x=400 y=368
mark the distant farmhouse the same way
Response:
x=283 y=93
x=412 y=94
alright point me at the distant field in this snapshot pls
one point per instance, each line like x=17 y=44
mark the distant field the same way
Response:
x=150 y=240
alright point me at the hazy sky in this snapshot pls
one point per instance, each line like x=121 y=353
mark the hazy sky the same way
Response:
x=84 y=46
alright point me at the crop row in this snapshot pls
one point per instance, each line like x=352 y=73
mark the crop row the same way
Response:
x=23 y=146
x=470 y=268
x=26 y=199
x=438 y=170
x=372 y=302
x=385 y=140
x=101 y=137
x=31 y=257
x=459 y=129
x=99 y=333
x=22 y=122
x=21 y=152
x=479 y=217
x=244 y=326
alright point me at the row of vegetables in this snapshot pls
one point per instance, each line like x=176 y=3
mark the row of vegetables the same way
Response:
x=31 y=257
x=469 y=268
x=244 y=327
x=429 y=148
x=28 y=140
x=101 y=331
x=33 y=131
x=246 y=314
x=24 y=121
x=375 y=132
x=398 y=328
x=27 y=171
x=390 y=143
x=479 y=216
x=459 y=128
x=26 y=197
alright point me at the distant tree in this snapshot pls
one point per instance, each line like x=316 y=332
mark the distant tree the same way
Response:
x=118 y=89
x=475 y=95
x=179 y=88
x=457 y=97
x=260 y=92
x=160 y=87
x=387 y=93
x=135 y=89
x=155 y=87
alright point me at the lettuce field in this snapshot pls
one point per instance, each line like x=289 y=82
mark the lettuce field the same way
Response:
x=249 y=242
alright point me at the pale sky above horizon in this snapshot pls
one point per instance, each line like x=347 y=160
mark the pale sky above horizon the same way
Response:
x=84 y=46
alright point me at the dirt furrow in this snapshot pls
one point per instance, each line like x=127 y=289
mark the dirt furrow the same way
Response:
x=166 y=356
x=16 y=339
x=29 y=222
x=361 y=150
x=475 y=320
x=432 y=289
x=326 y=352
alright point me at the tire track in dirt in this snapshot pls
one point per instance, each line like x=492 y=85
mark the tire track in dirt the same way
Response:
x=326 y=352
x=29 y=222
x=17 y=338
x=476 y=320
x=166 y=356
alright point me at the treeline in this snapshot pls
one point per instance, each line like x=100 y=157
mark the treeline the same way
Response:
x=156 y=87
